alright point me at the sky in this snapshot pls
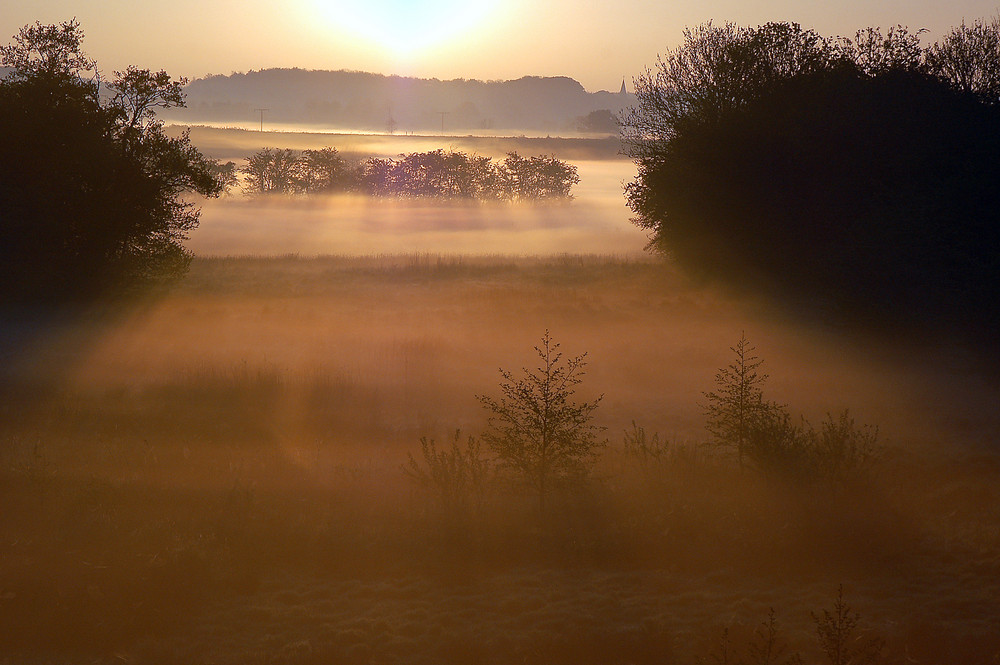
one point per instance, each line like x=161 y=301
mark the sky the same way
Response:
x=597 y=42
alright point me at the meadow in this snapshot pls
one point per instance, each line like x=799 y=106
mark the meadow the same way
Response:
x=216 y=474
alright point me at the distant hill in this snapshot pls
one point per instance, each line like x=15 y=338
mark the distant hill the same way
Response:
x=360 y=100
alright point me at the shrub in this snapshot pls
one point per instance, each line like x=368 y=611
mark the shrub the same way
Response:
x=456 y=477
x=836 y=634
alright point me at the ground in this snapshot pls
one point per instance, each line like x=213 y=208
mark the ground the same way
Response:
x=214 y=474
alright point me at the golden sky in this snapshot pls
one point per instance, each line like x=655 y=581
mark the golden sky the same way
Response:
x=597 y=42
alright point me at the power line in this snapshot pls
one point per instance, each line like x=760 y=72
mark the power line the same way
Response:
x=261 y=111
x=443 y=114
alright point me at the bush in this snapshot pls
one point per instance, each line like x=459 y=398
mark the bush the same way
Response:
x=457 y=477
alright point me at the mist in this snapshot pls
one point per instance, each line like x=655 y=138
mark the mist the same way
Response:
x=218 y=472
x=594 y=222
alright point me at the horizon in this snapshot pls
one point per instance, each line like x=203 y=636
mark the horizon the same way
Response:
x=444 y=40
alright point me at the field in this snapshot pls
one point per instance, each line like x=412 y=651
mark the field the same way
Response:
x=216 y=474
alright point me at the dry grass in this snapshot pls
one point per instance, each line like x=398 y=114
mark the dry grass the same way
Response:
x=216 y=477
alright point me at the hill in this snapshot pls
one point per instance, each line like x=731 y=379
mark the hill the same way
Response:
x=361 y=100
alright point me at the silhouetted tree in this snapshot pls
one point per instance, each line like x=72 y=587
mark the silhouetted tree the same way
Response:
x=873 y=53
x=969 y=57
x=377 y=177
x=837 y=632
x=91 y=189
x=536 y=430
x=602 y=120
x=326 y=171
x=851 y=177
x=272 y=171
x=227 y=174
x=737 y=407
x=457 y=175
x=537 y=178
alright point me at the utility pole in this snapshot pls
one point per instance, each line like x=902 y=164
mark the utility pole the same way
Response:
x=261 y=111
x=443 y=114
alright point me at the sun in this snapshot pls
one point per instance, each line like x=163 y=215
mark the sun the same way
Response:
x=406 y=26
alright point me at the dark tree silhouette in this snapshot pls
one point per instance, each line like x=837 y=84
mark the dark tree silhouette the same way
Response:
x=969 y=57
x=854 y=177
x=272 y=171
x=91 y=189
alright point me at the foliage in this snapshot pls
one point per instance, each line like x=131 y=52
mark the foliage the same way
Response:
x=737 y=406
x=325 y=170
x=716 y=69
x=455 y=476
x=536 y=178
x=969 y=58
x=851 y=176
x=91 y=188
x=272 y=171
x=842 y=450
x=647 y=451
x=764 y=435
x=433 y=174
x=601 y=121
x=226 y=173
x=536 y=431
x=836 y=634
x=765 y=647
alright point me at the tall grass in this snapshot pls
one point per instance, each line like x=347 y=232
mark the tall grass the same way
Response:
x=220 y=478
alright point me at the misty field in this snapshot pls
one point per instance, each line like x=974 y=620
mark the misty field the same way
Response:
x=216 y=475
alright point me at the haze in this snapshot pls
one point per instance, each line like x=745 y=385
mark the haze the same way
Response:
x=597 y=43
x=290 y=454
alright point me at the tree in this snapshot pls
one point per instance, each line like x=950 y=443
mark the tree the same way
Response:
x=536 y=430
x=91 y=189
x=325 y=171
x=714 y=70
x=836 y=634
x=736 y=409
x=969 y=58
x=273 y=171
x=842 y=176
x=537 y=178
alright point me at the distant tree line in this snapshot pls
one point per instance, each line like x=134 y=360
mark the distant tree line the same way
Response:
x=434 y=174
x=857 y=175
x=377 y=102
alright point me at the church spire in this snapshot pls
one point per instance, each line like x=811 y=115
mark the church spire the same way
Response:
x=623 y=91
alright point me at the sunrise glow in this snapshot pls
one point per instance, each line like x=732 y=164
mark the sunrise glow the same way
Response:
x=405 y=27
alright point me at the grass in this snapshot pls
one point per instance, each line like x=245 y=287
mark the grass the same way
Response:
x=217 y=476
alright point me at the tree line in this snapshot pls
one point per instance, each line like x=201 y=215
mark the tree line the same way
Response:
x=434 y=174
x=853 y=176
